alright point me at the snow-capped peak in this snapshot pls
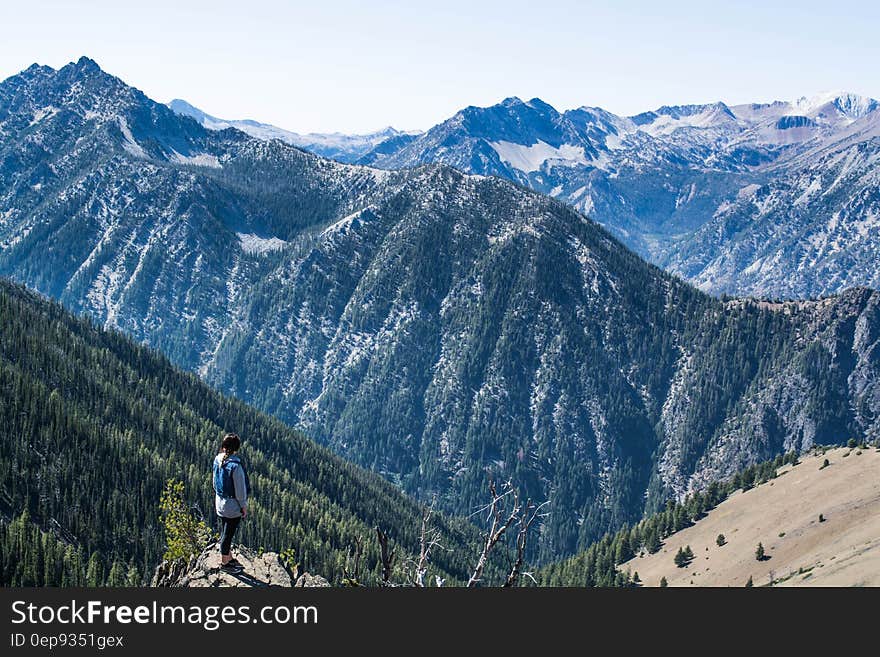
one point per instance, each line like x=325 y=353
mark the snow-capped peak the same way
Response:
x=668 y=119
x=850 y=105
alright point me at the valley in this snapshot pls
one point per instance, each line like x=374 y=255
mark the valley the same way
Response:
x=437 y=327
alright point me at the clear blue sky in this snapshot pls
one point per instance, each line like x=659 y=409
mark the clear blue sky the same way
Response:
x=330 y=65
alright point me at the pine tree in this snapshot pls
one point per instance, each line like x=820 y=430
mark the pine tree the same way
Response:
x=720 y=540
x=681 y=559
x=759 y=552
x=749 y=584
x=95 y=571
x=116 y=577
x=663 y=583
x=132 y=577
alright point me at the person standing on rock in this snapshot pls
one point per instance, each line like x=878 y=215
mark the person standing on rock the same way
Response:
x=231 y=488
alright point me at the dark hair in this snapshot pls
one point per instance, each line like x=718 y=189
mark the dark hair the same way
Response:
x=231 y=444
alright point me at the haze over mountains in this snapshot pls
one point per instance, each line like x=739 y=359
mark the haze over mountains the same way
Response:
x=437 y=327
x=777 y=199
x=338 y=146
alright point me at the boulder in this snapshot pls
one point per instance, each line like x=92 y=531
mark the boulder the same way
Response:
x=260 y=570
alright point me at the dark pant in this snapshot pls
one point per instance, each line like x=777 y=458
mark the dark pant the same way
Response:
x=227 y=531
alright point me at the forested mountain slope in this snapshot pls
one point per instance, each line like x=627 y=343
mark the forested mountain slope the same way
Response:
x=436 y=327
x=93 y=426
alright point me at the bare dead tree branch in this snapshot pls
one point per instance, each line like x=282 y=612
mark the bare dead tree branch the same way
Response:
x=387 y=557
x=509 y=491
x=499 y=523
x=531 y=577
x=526 y=519
x=429 y=538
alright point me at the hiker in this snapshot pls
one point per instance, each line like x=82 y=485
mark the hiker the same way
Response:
x=231 y=489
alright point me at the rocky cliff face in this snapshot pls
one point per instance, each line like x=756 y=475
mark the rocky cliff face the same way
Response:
x=260 y=570
x=813 y=229
x=819 y=391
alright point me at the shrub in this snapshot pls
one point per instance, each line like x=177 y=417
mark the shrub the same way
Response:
x=720 y=540
x=288 y=558
x=185 y=534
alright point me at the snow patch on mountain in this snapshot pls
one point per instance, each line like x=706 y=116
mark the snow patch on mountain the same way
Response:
x=43 y=113
x=532 y=158
x=129 y=143
x=342 y=226
x=614 y=142
x=254 y=244
x=198 y=160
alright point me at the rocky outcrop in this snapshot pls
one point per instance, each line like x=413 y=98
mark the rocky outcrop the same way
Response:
x=311 y=581
x=260 y=570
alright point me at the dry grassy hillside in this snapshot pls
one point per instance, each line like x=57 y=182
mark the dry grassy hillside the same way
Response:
x=783 y=515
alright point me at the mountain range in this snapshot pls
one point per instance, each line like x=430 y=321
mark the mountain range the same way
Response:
x=437 y=327
x=756 y=199
x=338 y=146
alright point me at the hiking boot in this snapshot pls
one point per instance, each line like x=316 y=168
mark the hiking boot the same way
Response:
x=232 y=568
